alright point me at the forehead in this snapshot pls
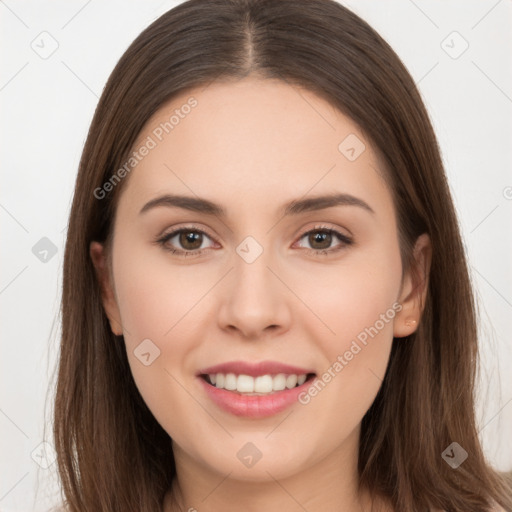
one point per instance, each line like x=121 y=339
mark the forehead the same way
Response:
x=252 y=140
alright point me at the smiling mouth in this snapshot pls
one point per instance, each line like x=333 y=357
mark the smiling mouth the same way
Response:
x=256 y=386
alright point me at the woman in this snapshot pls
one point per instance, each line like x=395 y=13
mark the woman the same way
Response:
x=210 y=360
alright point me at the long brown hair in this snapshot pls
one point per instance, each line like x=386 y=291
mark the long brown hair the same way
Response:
x=112 y=453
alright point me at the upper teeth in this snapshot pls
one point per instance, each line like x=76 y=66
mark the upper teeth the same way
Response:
x=261 y=384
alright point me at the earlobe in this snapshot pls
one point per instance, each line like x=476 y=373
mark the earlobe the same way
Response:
x=99 y=259
x=414 y=289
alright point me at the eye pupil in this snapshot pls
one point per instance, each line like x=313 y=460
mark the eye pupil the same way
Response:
x=187 y=237
x=321 y=236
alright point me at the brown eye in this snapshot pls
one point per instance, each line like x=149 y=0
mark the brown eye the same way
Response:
x=190 y=240
x=184 y=241
x=321 y=238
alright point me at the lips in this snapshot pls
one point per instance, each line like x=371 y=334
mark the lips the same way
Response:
x=254 y=405
x=255 y=369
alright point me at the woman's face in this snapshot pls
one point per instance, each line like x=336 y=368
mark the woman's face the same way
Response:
x=266 y=287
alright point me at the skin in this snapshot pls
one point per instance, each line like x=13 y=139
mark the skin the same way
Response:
x=252 y=146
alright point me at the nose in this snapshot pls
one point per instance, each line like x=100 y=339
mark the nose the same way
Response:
x=255 y=301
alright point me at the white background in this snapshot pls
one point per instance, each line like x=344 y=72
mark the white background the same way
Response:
x=47 y=106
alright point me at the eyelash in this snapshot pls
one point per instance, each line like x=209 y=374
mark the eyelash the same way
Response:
x=346 y=241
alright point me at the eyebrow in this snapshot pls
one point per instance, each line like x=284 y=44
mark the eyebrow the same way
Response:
x=296 y=207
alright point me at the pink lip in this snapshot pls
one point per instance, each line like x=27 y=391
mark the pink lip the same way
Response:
x=253 y=406
x=254 y=369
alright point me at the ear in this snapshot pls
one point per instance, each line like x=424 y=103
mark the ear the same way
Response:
x=414 y=289
x=99 y=259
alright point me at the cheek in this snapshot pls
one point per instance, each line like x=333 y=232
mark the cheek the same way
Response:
x=159 y=305
x=366 y=313
x=156 y=297
x=359 y=307
x=355 y=300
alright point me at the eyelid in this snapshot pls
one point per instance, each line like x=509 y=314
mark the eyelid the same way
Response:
x=323 y=226
x=300 y=233
x=187 y=226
